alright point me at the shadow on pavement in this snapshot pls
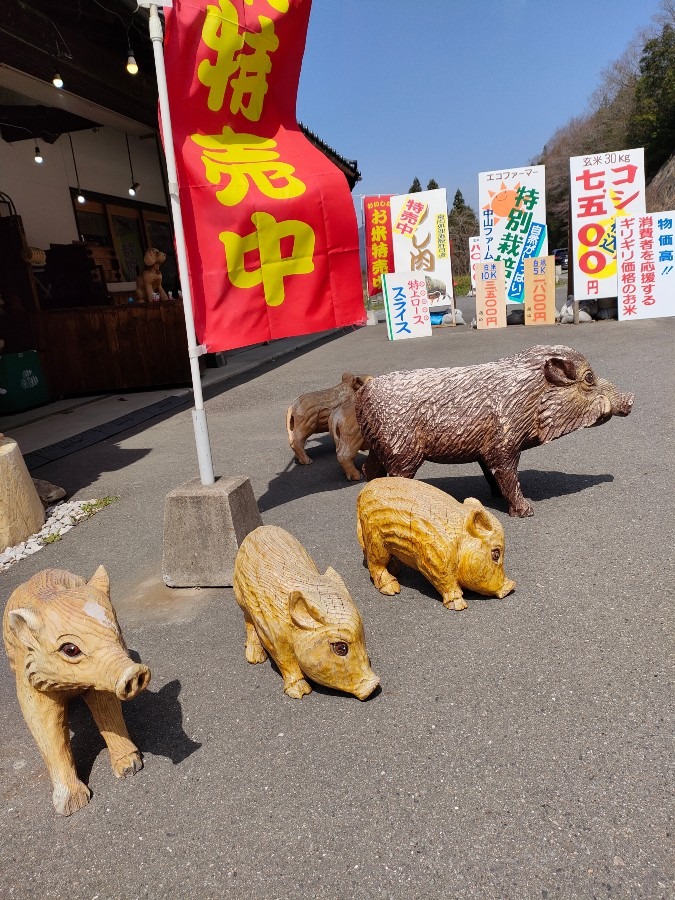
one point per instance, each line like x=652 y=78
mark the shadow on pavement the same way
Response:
x=155 y=723
x=76 y=477
x=325 y=474
x=536 y=485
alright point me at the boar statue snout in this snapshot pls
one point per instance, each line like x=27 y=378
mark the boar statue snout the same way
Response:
x=623 y=405
x=132 y=681
x=366 y=688
x=506 y=588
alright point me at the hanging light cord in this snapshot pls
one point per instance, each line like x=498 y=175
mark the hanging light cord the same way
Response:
x=131 y=168
x=77 y=177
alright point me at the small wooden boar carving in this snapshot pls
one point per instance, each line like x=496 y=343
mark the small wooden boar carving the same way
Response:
x=62 y=639
x=329 y=410
x=487 y=414
x=307 y=622
x=454 y=545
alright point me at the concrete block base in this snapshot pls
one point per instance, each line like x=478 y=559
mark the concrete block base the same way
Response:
x=204 y=526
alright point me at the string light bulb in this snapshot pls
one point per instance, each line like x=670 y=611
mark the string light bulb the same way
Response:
x=57 y=81
x=134 y=184
x=81 y=198
x=38 y=156
x=132 y=65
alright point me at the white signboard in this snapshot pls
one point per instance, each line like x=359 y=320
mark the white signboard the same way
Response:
x=406 y=304
x=512 y=218
x=419 y=227
x=646 y=264
x=603 y=186
x=474 y=258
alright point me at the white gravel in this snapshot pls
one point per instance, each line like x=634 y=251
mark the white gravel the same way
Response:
x=60 y=518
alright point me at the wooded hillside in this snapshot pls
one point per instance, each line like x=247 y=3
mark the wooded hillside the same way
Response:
x=634 y=106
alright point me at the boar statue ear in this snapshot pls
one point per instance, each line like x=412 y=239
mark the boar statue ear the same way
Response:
x=478 y=523
x=333 y=576
x=100 y=581
x=560 y=371
x=26 y=624
x=306 y=611
x=347 y=377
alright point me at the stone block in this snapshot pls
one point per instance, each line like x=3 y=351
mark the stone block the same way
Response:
x=204 y=526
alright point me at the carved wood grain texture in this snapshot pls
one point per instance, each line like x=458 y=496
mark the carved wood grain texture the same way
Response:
x=21 y=511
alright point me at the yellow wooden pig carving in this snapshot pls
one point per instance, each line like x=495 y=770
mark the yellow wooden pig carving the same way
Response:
x=62 y=639
x=454 y=545
x=305 y=621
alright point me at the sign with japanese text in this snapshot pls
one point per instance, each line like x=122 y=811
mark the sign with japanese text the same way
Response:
x=512 y=204
x=490 y=295
x=603 y=186
x=377 y=234
x=421 y=240
x=270 y=227
x=540 y=290
x=646 y=264
x=474 y=258
x=407 y=305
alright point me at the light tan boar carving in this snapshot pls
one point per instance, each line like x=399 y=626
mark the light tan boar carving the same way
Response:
x=454 y=545
x=63 y=639
x=307 y=622
x=332 y=410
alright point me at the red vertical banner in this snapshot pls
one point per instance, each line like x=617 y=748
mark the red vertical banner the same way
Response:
x=270 y=227
x=377 y=233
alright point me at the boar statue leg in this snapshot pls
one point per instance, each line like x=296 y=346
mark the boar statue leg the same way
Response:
x=452 y=595
x=490 y=478
x=506 y=476
x=47 y=717
x=298 y=448
x=255 y=652
x=106 y=709
x=379 y=562
x=295 y=685
x=373 y=466
x=346 y=459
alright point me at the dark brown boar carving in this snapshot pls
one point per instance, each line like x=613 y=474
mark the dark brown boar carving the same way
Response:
x=486 y=414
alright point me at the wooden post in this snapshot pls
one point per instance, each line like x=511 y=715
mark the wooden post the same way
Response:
x=21 y=510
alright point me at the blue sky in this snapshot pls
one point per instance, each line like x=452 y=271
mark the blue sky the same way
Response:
x=446 y=89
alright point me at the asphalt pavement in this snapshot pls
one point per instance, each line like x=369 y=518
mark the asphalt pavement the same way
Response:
x=521 y=748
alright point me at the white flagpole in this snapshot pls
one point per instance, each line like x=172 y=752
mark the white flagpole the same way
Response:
x=195 y=350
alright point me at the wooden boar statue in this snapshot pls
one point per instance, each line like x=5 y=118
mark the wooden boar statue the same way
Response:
x=329 y=410
x=485 y=413
x=62 y=639
x=454 y=545
x=307 y=622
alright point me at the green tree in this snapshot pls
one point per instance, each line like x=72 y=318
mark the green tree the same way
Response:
x=458 y=203
x=415 y=187
x=653 y=122
x=432 y=185
x=462 y=224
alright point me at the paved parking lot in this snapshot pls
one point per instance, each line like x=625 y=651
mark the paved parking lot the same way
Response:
x=519 y=749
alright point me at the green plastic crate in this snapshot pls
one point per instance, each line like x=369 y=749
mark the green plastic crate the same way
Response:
x=22 y=378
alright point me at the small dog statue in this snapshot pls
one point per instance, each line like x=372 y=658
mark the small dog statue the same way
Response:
x=149 y=282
